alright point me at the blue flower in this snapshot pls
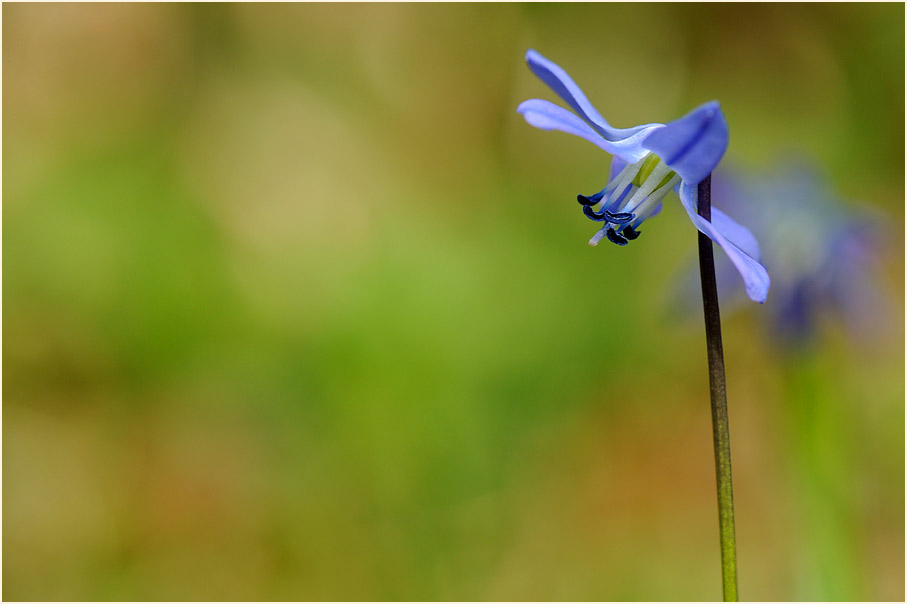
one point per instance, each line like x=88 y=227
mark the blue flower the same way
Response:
x=824 y=255
x=649 y=161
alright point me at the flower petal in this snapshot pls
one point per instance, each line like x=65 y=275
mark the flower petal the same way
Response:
x=738 y=234
x=693 y=145
x=617 y=164
x=627 y=141
x=755 y=277
x=548 y=116
x=564 y=86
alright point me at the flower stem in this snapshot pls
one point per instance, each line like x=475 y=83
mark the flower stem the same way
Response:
x=718 y=394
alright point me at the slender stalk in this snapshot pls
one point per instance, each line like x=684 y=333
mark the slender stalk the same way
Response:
x=718 y=394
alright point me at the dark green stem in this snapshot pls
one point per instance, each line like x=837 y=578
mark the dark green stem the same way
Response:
x=718 y=393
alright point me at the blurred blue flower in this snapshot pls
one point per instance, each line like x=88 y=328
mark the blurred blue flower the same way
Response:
x=824 y=254
x=649 y=161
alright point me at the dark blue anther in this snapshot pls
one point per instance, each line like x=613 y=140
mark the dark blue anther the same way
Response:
x=593 y=215
x=629 y=233
x=620 y=217
x=592 y=199
x=615 y=238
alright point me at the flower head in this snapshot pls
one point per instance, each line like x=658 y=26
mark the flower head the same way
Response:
x=824 y=255
x=649 y=161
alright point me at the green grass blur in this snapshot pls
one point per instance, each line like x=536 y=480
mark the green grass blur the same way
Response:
x=296 y=306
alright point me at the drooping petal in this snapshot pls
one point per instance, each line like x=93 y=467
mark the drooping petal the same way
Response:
x=738 y=234
x=694 y=144
x=627 y=142
x=755 y=277
x=548 y=116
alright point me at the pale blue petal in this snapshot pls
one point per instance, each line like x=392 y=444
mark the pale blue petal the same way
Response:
x=631 y=149
x=738 y=234
x=548 y=116
x=564 y=86
x=617 y=165
x=755 y=277
x=693 y=145
x=627 y=142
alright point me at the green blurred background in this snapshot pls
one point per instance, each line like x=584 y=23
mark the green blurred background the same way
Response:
x=296 y=306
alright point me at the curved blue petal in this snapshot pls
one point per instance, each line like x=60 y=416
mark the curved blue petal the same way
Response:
x=738 y=234
x=548 y=116
x=631 y=149
x=564 y=86
x=627 y=142
x=617 y=164
x=755 y=277
x=693 y=145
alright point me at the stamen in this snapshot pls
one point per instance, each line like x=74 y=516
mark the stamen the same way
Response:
x=613 y=203
x=649 y=205
x=593 y=215
x=633 y=189
x=647 y=188
x=615 y=238
x=592 y=199
x=630 y=233
x=648 y=164
x=618 y=186
x=619 y=217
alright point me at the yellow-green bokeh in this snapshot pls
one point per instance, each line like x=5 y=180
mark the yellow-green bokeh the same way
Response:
x=296 y=306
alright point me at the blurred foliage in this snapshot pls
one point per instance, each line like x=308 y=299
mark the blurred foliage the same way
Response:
x=297 y=307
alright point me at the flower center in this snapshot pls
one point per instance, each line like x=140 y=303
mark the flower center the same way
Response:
x=629 y=199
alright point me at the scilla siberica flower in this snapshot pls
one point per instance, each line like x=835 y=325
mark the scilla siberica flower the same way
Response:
x=825 y=255
x=649 y=161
